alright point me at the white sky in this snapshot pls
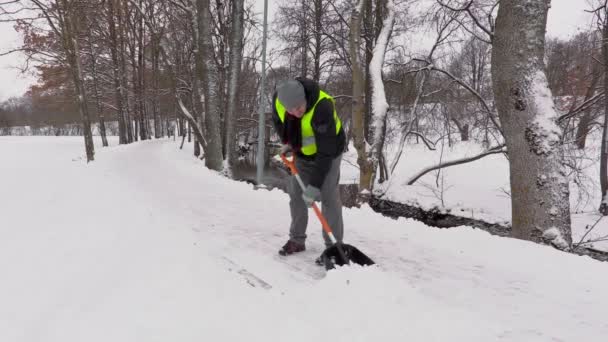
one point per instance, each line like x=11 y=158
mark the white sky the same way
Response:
x=566 y=18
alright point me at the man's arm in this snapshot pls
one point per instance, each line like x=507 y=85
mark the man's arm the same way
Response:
x=324 y=127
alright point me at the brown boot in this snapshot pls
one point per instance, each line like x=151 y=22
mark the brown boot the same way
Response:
x=292 y=247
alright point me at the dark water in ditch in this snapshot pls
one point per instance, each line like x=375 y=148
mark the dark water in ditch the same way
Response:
x=273 y=177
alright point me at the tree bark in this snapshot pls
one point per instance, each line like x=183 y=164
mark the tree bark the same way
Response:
x=539 y=186
x=69 y=39
x=584 y=125
x=358 y=112
x=318 y=39
x=236 y=56
x=209 y=80
x=380 y=105
x=304 y=40
x=118 y=86
x=604 y=154
x=95 y=77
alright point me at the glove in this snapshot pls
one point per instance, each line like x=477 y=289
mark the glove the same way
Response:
x=310 y=195
x=285 y=148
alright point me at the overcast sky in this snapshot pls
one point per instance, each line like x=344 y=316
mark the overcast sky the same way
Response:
x=566 y=18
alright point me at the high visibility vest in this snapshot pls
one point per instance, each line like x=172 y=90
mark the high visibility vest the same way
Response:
x=309 y=145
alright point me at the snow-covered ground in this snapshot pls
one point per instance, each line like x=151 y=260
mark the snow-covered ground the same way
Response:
x=145 y=244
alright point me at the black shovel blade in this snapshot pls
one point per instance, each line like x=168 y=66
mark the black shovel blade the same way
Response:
x=332 y=256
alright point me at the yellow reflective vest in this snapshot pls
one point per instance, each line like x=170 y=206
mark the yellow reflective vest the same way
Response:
x=309 y=145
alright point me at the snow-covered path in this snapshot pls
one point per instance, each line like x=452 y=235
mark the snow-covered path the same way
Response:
x=145 y=244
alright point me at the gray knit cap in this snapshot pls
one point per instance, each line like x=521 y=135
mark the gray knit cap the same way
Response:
x=291 y=94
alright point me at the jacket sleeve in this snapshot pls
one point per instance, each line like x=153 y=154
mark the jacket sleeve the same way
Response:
x=324 y=128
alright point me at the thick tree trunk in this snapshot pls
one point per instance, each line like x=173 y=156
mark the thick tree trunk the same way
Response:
x=539 y=186
x=209 y=80
x=236 y=56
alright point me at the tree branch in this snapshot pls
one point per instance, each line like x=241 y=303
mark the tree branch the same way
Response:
x=467 y=8
x=494 y=150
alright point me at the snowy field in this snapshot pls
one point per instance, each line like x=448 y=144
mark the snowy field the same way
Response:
x=145 y=244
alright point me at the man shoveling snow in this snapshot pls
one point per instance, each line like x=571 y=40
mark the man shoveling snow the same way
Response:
x=305 y=118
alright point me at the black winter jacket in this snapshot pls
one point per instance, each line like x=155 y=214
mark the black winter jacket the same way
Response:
x=329 y=144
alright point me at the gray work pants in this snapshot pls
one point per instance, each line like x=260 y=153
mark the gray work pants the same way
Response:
x=331 y=204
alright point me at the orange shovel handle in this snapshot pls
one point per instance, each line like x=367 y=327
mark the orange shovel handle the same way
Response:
x=291 y=164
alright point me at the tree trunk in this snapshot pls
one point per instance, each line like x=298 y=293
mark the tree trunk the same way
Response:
x=123 y=66
x=370 y=38
x=118 y=86
x=155 y=87
x=604 y=154
x=141 y=67
x=102 y=130
x=318 y=39
x=209 y=80
x=304 y=40
x=236 y=55
x=584 y=125
x=71 y=47
x=95 y=76
x=358 y=112
x=380 y=105
x=539 y=186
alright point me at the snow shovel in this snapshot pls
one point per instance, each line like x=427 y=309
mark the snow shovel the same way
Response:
x=338 y=253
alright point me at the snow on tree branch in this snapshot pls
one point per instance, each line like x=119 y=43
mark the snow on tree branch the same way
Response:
x=379 y=103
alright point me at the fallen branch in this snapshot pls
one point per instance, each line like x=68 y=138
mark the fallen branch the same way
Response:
x=580 y=243
x=495 y=150
x=582 y=107
x=197 y=131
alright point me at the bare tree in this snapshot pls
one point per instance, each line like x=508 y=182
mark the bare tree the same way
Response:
x=61 y=16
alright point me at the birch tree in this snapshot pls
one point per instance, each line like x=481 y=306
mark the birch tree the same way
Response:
x=539 y=186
